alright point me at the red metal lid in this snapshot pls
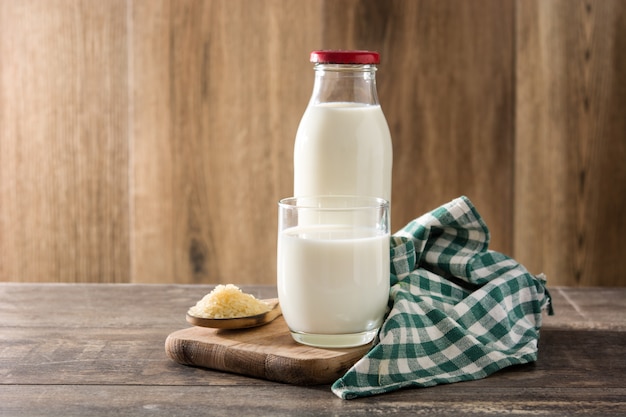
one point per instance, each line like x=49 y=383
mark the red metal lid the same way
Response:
x=345 y=57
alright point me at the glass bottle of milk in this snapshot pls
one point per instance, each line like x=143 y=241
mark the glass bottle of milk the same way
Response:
x=343 y=144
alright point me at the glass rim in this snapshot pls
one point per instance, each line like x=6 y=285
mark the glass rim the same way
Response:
x=363 y=202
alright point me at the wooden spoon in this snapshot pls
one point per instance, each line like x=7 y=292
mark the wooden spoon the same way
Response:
x=239 y=322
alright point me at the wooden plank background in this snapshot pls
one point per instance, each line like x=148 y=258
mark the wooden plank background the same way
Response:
x=570 y=180
x=148 y=141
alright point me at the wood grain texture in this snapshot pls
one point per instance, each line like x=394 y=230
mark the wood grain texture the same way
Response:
x=148 y=140
x=266 y=352
x=63 y=141
x=213 y=142
x=85 y=349
x=570 y=182
x=280 y=400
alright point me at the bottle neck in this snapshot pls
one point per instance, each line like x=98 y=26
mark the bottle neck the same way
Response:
x=344 y=83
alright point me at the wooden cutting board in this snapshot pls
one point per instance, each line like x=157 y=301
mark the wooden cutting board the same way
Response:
x=266 y=352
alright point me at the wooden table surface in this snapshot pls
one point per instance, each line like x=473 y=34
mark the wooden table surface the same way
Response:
x=98 y=349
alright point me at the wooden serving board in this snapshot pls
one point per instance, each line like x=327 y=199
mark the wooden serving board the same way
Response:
x=267 y=352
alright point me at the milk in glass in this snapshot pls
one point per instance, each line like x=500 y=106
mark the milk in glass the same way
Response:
x=333 y=279
x=333 y=268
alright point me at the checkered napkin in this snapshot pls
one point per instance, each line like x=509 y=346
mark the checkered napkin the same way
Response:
x=458 y=311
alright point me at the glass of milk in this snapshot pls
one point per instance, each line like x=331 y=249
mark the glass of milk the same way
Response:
x=333 y=268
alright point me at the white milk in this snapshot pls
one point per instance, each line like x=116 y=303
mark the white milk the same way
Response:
x=343 y=149
x=333 y=279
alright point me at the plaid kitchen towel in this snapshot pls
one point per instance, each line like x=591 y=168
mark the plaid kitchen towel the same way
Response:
x=458 y=311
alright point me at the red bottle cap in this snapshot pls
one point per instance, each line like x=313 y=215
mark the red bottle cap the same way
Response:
x=345 y=57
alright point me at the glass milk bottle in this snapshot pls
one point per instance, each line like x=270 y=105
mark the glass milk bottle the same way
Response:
x=343 y=145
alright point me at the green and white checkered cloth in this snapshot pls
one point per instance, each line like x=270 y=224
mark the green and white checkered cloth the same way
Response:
x=458 y=311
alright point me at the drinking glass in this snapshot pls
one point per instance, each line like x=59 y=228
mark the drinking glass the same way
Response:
x=333 y=268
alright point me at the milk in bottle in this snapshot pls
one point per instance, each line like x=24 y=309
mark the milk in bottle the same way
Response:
x=343 y=144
